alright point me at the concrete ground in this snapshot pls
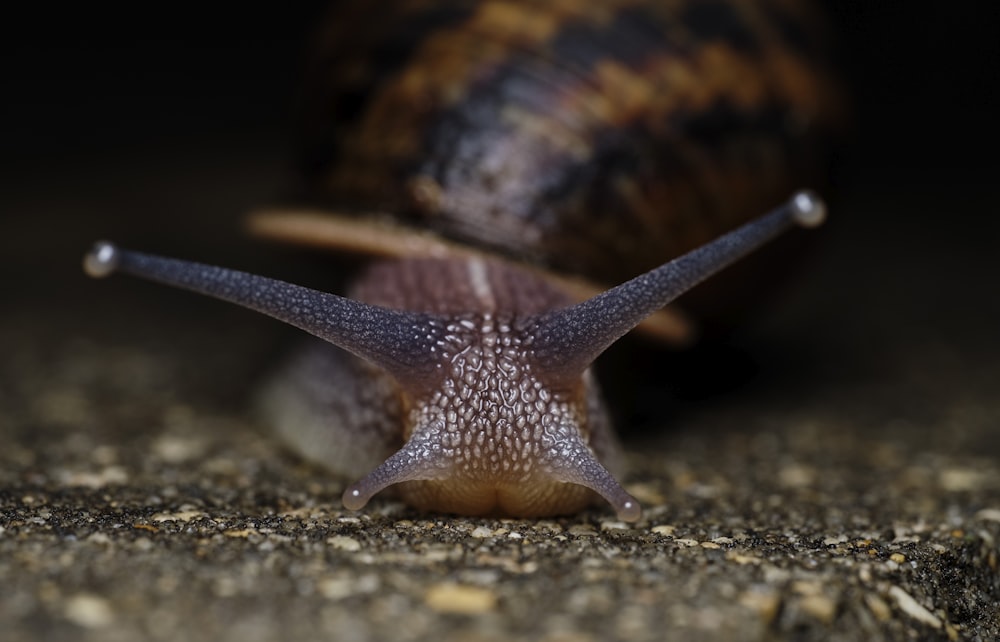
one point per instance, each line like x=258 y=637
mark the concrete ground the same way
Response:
x=832 y=472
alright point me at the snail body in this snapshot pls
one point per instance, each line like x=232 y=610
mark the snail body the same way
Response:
x=546 y=148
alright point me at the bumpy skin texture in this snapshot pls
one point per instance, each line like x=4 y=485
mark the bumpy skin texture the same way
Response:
x=490 y=432
x=493 y=429
x=599 y=138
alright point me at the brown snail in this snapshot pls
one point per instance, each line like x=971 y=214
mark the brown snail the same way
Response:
x=564 y=134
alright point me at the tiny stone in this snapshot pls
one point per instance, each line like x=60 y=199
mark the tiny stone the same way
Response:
x=344 y=543
x=481 y=532
x=89 y=611
x=764 y=603
x=143 y=544
x=179 y=516
x=456 y=598
x=796 y=476
x=710 y=545
x=913 y=608
x=740 y=558
x=338 y=588
x=820 y=607
x=104 y=477
x=335 y=588
x=664 y=529
x=878 y=607
x=989 y=514
x=582 y=529
x=960 y=479
x=898 y=558
x=177 y=450
x=803 y=587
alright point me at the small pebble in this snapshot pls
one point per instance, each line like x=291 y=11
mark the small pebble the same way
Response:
x=582 y=529
x=820 y=607
x=960 y=479
x=878 y=607
x=89 y=611
x=764 y=603
x=177 y=450
x=338 y=588
x=461 y=599
x=796 y=476
x=179 y=516
x=989 y=514
x=344 y=543
x=743 y=559
x=913 y=608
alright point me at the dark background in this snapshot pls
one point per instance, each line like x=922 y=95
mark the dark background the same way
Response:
x=106 y=83
x=83 y=86
x=160 y=129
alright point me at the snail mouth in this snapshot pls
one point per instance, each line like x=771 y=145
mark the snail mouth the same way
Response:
x=466 y=497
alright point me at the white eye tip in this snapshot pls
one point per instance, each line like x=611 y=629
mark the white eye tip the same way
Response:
x=808 y=209
x=629 y=510
x=101 y=260
x=354 y=499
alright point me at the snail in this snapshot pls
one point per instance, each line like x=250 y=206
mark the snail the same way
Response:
x=514 y=143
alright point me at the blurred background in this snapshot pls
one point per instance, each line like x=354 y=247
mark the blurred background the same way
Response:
x=160 y=129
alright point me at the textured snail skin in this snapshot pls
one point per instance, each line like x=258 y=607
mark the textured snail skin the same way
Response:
x=598 y=138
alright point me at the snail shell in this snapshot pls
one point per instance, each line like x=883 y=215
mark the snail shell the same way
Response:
x=594 y=138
